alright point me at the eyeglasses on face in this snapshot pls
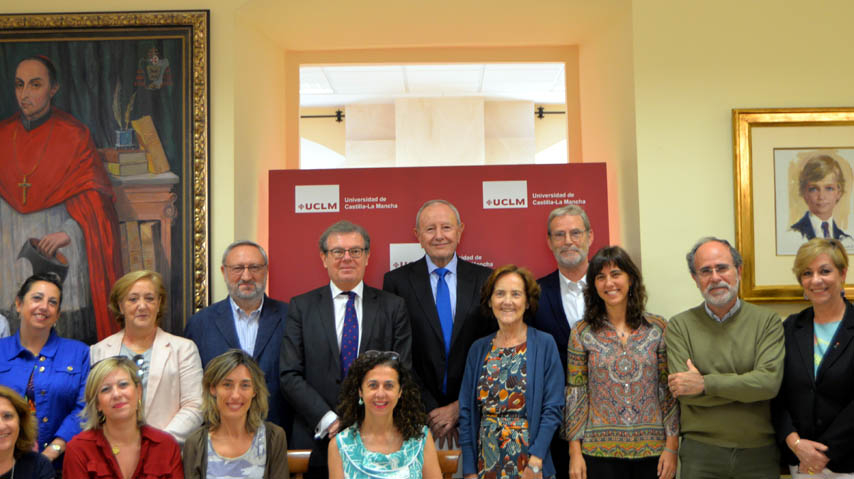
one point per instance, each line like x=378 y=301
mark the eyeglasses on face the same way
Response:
x=338 y=253
x=707 y=271
x=573 y=235
x=237 y=269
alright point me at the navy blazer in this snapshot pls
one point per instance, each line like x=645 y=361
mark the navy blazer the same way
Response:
x=804 y=227
x=310 y=366
x=412 y=283
x=544 y=398
x=550 y=317
x=213 y=331
x=819 y=407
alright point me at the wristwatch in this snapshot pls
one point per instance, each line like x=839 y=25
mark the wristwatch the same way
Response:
x=535 y=469
x=57 y=448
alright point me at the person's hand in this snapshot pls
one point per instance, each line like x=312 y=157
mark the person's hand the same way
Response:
x=333 y=428
x=667 y=465
x=528 y=473
x=443 y=422
x=688 y=383
x=51 y=453
x=49 y=243
x=811 y=456
x=577 y=467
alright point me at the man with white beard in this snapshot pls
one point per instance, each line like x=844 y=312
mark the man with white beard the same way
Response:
x=568 y=236
x=725 y=359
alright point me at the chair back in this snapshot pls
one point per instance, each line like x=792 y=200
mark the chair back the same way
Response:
x=448 y=461
x=298 y=462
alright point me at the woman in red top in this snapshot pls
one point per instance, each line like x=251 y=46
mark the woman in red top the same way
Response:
x=115 y=443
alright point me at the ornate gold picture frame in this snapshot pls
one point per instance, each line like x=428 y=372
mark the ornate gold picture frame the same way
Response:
x=139 y=83
x=769 y=146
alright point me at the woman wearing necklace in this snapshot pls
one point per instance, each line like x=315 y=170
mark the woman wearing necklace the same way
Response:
x=621 y=420
x=18 y=460
x=235 y=440
x=49 y=371
x=814 y=411
x=512 y=390
x=384 y=431
x=170 y=366
x=116 y=443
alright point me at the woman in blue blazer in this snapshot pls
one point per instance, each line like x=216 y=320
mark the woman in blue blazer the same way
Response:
x=512 y=392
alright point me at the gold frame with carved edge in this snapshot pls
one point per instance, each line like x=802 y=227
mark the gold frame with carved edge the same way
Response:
x=195 y=230
x=743 y=123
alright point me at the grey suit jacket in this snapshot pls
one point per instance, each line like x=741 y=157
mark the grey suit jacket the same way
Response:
x=309 y=368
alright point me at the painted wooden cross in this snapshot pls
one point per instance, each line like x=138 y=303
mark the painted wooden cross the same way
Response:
x=24 y=185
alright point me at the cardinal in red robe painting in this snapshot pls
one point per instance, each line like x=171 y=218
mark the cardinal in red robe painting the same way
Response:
x=55 y=190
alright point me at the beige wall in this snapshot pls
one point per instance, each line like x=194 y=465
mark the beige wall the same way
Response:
x=693 y=63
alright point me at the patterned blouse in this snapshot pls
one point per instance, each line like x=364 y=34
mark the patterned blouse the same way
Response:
x=618 y=403
x=360 y=463
x=250 y=465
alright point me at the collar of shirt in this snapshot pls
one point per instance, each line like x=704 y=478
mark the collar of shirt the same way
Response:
x=450 y=280
x=31 y=125
x=339 y=306
x=816 y=222
x=451 y=266
x=48 y=350
x=239 y=314
x=729 y=314
x=568 y=285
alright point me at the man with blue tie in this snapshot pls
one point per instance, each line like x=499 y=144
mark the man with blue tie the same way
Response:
x=442 y=294
x=569 y=236
x=326 y=329
x=248 y=320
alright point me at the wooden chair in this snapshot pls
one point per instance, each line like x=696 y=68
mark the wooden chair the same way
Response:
x=448 y=461
x=298 y=462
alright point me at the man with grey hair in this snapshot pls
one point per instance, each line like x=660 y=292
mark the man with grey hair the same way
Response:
x=442 y=294
x=725 y=357
x=569 y=237
x=247 y=319
x=325 y=331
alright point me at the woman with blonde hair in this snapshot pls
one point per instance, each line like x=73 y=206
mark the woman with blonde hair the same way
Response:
x=235 y=441
x=170 y=366
x=115 y=442
x=17 y=438
x=814 y=411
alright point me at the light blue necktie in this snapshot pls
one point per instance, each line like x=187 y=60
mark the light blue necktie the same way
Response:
x=446 y=318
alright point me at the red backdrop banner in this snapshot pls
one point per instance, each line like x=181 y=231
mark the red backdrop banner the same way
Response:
x=504 y=209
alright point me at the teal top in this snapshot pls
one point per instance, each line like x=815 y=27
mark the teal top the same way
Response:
x=360 y=463
x=824 y=334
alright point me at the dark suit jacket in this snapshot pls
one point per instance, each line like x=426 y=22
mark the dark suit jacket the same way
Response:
x=310 y=370
x=819 y=407
x=804 y=227
x=213 y=331
x=412 y=283
x=550 y=317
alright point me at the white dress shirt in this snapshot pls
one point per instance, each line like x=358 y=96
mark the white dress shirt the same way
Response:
x=572 y=296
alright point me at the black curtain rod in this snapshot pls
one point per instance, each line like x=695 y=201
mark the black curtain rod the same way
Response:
x=540 y=112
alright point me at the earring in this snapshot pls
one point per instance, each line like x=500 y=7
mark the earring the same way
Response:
x=360 y=401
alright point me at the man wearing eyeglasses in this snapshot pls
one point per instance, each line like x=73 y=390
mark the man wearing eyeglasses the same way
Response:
x=326 y=329
x=569 y=237
x=725 y=358
x=248 y=319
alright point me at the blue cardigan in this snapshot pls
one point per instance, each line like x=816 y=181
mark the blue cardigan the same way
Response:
x=544 y=398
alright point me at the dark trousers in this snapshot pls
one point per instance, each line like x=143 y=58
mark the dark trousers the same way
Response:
x=704 y=461
x=614 y=468
x=318 y=467
x=560 y=456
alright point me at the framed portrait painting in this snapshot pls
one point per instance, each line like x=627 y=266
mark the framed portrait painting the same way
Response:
x=793 y=182
x=104 y=139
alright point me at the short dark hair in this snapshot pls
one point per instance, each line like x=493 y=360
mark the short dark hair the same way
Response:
x=344 y=227
x=532 y=290
x=408 y=415
x=44 y=60
x=736 y=257
x=595 y=313
x=51 y=278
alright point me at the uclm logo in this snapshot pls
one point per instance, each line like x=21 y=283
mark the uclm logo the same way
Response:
x=316 y=198
x=505 y=194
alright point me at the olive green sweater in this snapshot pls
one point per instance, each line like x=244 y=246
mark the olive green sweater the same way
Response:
x=741 y=361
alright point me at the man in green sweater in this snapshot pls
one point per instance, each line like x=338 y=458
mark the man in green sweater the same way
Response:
x=726 y=363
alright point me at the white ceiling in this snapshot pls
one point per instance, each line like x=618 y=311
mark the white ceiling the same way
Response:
x=541 y=83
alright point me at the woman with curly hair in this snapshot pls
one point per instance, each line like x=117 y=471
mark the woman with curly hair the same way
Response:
x=621 y=420
x=512 y=388
x=17 y=439
x=384 y=431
